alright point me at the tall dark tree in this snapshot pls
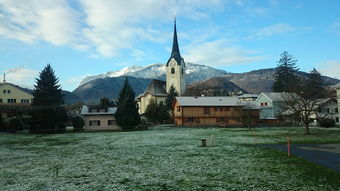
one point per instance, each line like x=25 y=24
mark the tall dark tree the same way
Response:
x=170 y=97
x=315 y=86
x=156 y=112
x=47 y=115
x=127 y=115
x=286 y=78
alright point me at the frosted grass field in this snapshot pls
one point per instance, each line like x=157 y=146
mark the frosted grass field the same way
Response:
x=162 y=159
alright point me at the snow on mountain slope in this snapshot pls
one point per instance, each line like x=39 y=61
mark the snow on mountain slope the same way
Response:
x=195 y=72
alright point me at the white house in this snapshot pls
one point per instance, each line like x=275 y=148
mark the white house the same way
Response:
x=328 y=108
x=270 y=104
x=99 y=118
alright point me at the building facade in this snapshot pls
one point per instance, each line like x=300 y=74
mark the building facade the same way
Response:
x=98 y=118
x=12 y=94
x=338 y=99
x=213 y=111
x=270 y=104
x=155 y=91
x=328 y=108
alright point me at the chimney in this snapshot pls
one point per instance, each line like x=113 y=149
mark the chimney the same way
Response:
x=4 y=78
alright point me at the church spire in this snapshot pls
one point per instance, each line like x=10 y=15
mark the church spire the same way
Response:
x=175 y=49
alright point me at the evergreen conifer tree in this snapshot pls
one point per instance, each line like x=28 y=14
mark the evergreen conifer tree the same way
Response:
x=170 y=97
x=315 y=87
x=47 y=113
x=285 y=78
x=127 y=115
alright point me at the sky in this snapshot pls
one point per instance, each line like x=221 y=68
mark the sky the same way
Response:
x=86 y=37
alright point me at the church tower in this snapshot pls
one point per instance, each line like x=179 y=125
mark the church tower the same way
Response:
x=175 y=67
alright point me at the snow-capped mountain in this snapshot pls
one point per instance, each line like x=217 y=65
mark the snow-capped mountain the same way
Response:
x=195 y=72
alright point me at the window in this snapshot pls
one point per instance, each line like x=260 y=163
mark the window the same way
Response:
x=219 y=119
x=206 y=110
x=4 y=91
x=25 y=101
x=261 y=104
x=11 y=100
x=8 y=91
x=0 y=100
x=336 y=110
x=265 y=103
x=189 y=119
x=94 y=123
x=220 y=108
x=337 y=119
x=178 y=108
x=215 y=108
x=327 y=109
x=226 y=109
x=182 y=71
x=172 y=70
x=110 y=122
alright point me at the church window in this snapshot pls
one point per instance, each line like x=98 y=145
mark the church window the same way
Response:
x=172 y=70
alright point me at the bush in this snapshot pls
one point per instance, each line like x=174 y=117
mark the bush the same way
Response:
x=78 y=123
x=15 y=124
x=325 y=122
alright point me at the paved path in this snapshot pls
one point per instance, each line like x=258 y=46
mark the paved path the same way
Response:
x=327 y=155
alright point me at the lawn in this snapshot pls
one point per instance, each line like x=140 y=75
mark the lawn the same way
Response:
x=163 y=159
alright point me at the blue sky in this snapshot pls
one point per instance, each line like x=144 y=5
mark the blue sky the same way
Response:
x=86 y=37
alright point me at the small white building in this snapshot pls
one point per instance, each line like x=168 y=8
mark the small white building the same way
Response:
x=337 y=87
x=248 y=97
x=99 y=118
x=328 y=108
x=270 y=104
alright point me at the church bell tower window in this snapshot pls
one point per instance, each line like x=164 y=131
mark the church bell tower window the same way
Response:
x=172 y=70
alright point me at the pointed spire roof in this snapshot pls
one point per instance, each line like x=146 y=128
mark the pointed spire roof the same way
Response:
x=175 y=48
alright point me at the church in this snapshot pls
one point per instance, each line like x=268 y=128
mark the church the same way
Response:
x=175 y=76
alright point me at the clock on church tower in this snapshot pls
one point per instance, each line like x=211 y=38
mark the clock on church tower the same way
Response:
x=175 y=67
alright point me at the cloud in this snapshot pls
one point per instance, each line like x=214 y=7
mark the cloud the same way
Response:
x=105 y=27
x=21 y=76
x=329 y=68
x=335 y=28
x=30 y=21
x=275 y=29
x=219 y=53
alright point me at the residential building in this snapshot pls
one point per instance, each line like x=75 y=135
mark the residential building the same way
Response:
x=12 y=94
x=98 y=118
x=14 y=100
x=270 y=104
x=338 y=98
x=328 y=108
x=175 y=76
x=213 y=111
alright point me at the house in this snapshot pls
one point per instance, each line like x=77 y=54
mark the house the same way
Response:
x=327 y=108
x=248 y=97
x=99 y=118
x=175 y=76
x=337 y=87
x=213 y=111
x=155 y=91
x=270 y=104
x=13 y=99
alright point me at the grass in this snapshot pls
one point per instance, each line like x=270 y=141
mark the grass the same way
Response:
x=162 y=159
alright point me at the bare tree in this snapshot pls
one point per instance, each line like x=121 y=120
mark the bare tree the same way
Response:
x=301 y=106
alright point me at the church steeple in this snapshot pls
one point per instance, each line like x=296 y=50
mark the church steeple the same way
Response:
x=175 y=48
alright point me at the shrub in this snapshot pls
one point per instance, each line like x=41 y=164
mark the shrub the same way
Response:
x=78 y=123
x=326 y=122
x=15 y=124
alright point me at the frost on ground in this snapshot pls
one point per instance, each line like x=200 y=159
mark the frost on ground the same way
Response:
x=162 y=159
